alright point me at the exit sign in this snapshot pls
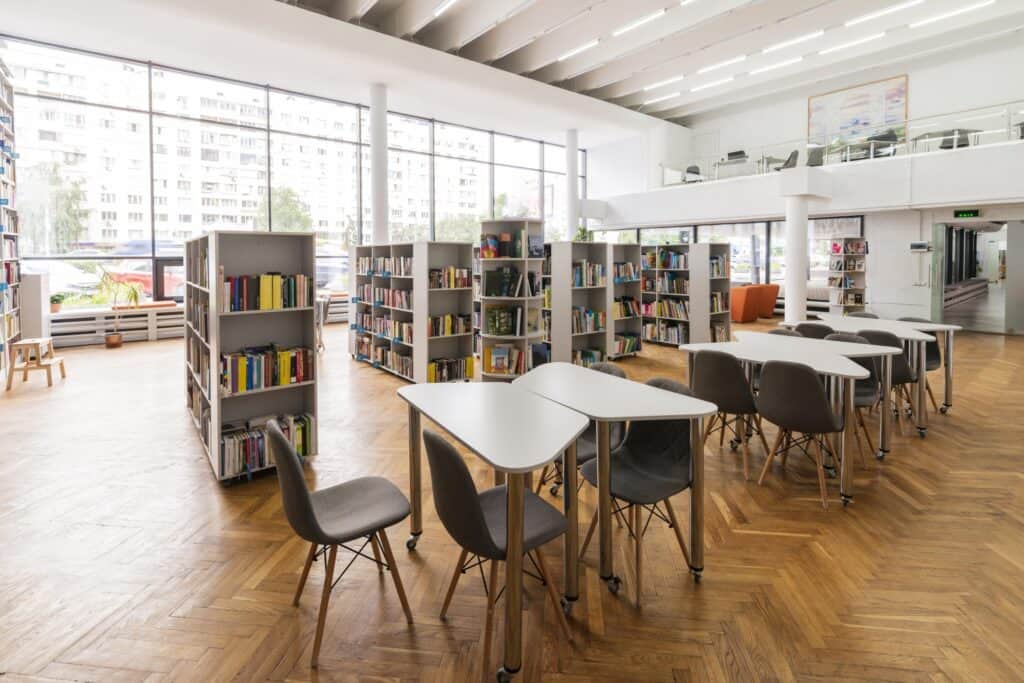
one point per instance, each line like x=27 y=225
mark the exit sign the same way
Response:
x=966 y=213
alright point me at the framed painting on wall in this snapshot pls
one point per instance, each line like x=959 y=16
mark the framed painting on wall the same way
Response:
x=851 y=119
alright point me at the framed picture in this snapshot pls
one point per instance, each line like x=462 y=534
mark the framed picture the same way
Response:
x=849 y=116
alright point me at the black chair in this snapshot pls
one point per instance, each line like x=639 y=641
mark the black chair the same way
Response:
x=903 y=374
x=692 y=171
x=790 y=161
x=785 y=332
x=360 y=509
x=478 y=523
x=793 y=398
x=932 y=358
x=816 y=156
x=651 y=466
x=718 y=378
x=814 y=330
x=862 y=314
x=866 y=391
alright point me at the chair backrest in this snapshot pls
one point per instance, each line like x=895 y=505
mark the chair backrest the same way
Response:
x=785 y=332
x=718 y=377
x=862 y=314
x=791 y=396
x=902 y=373
x=456 y=499
x=609 y=369
x=693 y=169
x=816 y=156
x=932 y=351
x=653 y=441
x=814 y=330
x=791 y=160
x=298 y=507
x=869 y=364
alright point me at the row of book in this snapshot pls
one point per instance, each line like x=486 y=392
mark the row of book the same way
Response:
x=269 y=291
x=587 y=320
x=626 y=307
x=393 y=329
x=855 y=246
x=673 y=259
x=719 y=302
x=672 y=283
x=11 y=272
x=199 y=266
x=509 y=320
x=9 y=248
x=384 y=265
x=719 y=332
x=245 y=448
x=506 y=359
x=587 y=357
x=625 y=272
x=666 y=308
x=395 y=361
x=363 y=322
x=625 y=343
x=843 y=282
x=449 y=277
x=450 y=369
x=264 y=367
x=199 y=317
x=510 y=245
x=507 y=281
x=587 y=274
x=666 y=333
x=848 y=298
x=11 y=326
x=545 y=325
x=547 y=296
x=199 y=360
x=10 y=297
x=364 y=348
x=448 y=325
x=395 y=298
x=718 y=266
x=855 y=263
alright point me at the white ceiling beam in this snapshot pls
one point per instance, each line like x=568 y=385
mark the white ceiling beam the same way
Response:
x=411 y=16
x=348 y=10
x=468 y=20
x=522 y=29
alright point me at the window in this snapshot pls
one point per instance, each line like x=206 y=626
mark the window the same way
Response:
x=409 y=196
x=462 y=191
x=747 y=259
x=516 y=193
x=209 y=99
x=406 y=132
x=516 y=151
x=555 y=208
x=615 y=236
x=94 y=282
x=822 y=231
x=678 y=235
x=554 y=158
x=292 y=113
x=456 y=141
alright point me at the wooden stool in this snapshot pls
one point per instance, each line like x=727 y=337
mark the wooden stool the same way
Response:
x=34 y=354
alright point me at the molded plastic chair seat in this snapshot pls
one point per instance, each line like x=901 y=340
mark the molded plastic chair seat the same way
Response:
x=634 y=483
x=814 y=330
x=357 y=508
x=541 y=522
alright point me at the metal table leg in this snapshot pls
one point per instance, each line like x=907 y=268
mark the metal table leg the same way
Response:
x=415 y=480
x=884 y=421
x=696 y=498
x=947 y=364
x=570 y=502
x=604 y=505
x=846 y=441
x=921 y=399
x=513 y=657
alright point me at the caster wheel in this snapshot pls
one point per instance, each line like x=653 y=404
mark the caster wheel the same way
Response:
x=696 y=575
x=944 y=409
x=614 y=584
x=411 y=542
x=909 y=412
x=733 y=444
x=503 y=676
x=921 y=433
x=566 y=606
x=846 y=501
x=831 y=472
x=880 y=455
x=554 y=489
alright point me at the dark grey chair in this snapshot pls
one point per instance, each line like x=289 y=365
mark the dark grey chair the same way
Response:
x=586 y=445
x=903 y=374
x=816 y=156
x=932 y=358
x=866 y=391
x=862 y=314
x=478 y=523
x=790 y=161
x=651 y=466
x=793 y=398
x=785 y=332
x=360 y=509
x=814 y=330
x=719 y=378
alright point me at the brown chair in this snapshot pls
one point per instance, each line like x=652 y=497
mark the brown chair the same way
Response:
x=357 y=510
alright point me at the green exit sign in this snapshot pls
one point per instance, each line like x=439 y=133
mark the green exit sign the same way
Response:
x=966 y=213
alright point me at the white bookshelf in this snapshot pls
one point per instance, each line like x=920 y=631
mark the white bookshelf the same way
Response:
x=397 y=338
x=623 y=286
x=847 y=274
x=10 y=252
x=521 y=234
x=686 y=293
x=213 y=329
x=574 y=338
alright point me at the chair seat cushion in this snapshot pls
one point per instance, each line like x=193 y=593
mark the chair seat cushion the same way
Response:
x=358 y=508
x=586 y=445
x=865 y=394
x=541 y=522
x=633 y=483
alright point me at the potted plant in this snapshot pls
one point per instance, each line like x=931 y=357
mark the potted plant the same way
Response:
x=131 y=294
x=56 y=301
x=582 y=234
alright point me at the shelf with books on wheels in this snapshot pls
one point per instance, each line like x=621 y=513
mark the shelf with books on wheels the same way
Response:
x=265 y=364
x=511 y=297
x=10 y=248
x=847 y=274
x=685 y=293
x=581 y=279
x=624 y=299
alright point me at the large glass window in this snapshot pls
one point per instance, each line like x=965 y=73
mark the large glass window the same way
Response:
x=407 y=132
x=461 y=199
x=615 y=236
x=747 y=240
x=209 y=99
x=516 y=193
x=516 y=151
x=291 y=113
x=822 y=231
x=94 y=283
x=408 y=196
x=457 y=141
x=680 y=235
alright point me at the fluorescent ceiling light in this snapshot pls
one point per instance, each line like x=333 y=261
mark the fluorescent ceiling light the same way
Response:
x=777 y=65
x=882 y=12
x=578 y=50
x=662 y=98
x=667 y=81
x=713 y=67
x=852 y=43
x=712 y=84
x=794 y=41
x=949 y=15
x=638 y=23
x=684 y=3
x=444 y=7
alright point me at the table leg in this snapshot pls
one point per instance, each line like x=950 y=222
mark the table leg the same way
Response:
x=415 y=479
x=845 y=444
x=696 y=498
x=570 y=502
x=514 y=577
x=884 y=420
x=921 y=400
x=947 y=364
x=604 y=504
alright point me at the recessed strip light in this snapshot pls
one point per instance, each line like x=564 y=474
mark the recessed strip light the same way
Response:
x=662 y=98
x=667 y=81
x=444 y=7
x=714 y=67
x=684 y=3
x=852 y=43
x=777 y=65
x=578 y=50
x=712 y=84
x=884 y=11
x=638 y=23
x=794 y=41
x=950 y=15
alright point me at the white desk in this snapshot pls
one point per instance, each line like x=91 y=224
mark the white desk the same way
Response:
x=515 y=432
x=606 y=399
x=821 y=361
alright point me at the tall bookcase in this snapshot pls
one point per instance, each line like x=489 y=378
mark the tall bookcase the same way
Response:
x=10 y=264
x=511 y=298
x=412 y=310
x=623 y=301
x=847 y=274
x=685 y=293
x=230 y=324
x=579 y=282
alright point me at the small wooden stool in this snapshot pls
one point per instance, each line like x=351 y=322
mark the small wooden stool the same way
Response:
x=34 y=354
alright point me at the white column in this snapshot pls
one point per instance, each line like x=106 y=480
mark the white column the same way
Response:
x=379 y=162
x=572 y=188
x=797 y=262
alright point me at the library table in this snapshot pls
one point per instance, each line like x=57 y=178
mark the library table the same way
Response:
x=823 y=362
x=513 y=431
x=606 y=399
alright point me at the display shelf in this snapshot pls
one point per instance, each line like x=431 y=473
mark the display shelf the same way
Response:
x=10 y=249
x=847 y=274
x=581 y=279
x=685 y=293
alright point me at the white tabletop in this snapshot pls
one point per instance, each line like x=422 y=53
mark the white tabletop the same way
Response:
x=847 y=349
x=846 y=323
x=821 y=361
x=919 y=326
x=511 y=429
x=606 y=397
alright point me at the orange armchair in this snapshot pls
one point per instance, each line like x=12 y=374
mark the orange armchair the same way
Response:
x=743 y=303
x=766 y=300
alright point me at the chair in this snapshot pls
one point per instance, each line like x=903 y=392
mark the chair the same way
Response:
x=477 y=522
x=586 y=445
x=743 y=304
x=785 y=332
x=693 y=175
x=816 y=156
x=862 y=314
x=866 y=391
x=360 y=509
x=902 y=372
x=767 y=298
x=814 y=330
x=932 y=358
x=793 y=398
x=651 y=466
x=790 y=161
x=719 y=378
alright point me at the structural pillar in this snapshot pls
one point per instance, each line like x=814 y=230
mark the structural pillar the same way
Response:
x=379 y=163
x=572 y=180
x=797 y=259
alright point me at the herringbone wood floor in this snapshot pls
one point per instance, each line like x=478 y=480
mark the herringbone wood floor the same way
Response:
x=122 y=560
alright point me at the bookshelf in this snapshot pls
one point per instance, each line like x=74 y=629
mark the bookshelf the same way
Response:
x=847 y=274
x=412 y=310
x=685 y=293
x=511 y=298
x=250 y=345
x=476 y=300
x=623 y=301
x=580 y=285
x=10 y=263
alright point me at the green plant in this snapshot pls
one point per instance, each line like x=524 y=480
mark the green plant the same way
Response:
x=582 y=235
x=58 y=298
x=115 y=291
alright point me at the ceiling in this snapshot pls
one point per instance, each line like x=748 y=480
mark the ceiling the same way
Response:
x=673 y=59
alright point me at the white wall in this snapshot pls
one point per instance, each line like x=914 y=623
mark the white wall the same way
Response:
x=897 y=280
x=635 y=164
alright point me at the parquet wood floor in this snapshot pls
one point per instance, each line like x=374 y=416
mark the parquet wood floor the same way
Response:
x=122 y=559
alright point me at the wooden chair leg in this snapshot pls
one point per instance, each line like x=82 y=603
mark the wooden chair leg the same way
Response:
x=376 y=553
x=555 y=602
x=386 y=547
x=325 y=599
x=305 y=573
x=638 y=533
x=10 y=371
x=931 y=397
x=454 y=582
x=492 y=595
x=864 y=428
x=707 y=431
x=721 y=434
x=746 y=459
x=540 y=480
x=63 y=372
x=590 y=535
x=819 y=461
x=771 y=456
x=760 y=433
x=679 y=532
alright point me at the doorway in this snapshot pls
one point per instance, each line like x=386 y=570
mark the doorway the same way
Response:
x=975 y=268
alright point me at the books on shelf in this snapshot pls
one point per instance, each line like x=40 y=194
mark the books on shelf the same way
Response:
x=843 y=282
x=364 y=347
x=718 y=302
x=856 y=264
x=848 y=298
x=671 y=308
x=502 y=245
x=625 y=307
x=12 y=272
x=625 y=343
x=849 y=246
x=393 y=298
x=269 y=291
x=540 y=354
x=545 y=325
x=547 y=296
x=672 y=283
x=535 y=245
x=396 y=330
x=673 y=260
x=719 y=332
x=649 y=260
x=587 y=357
x=264 y=367
x=199 y=317
x=362 y=322
x=625 y=272
x=396 y=361
x=503 y=320
x=671 y=333
x=9 y=249
x=588 y=274
x=384 y=265
x=450 y=369
x=587 y=320
x=243 y=447
x=449 y=277
x=448 y=325
x=199 y=362
x=719 y=266
x=505 y=359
